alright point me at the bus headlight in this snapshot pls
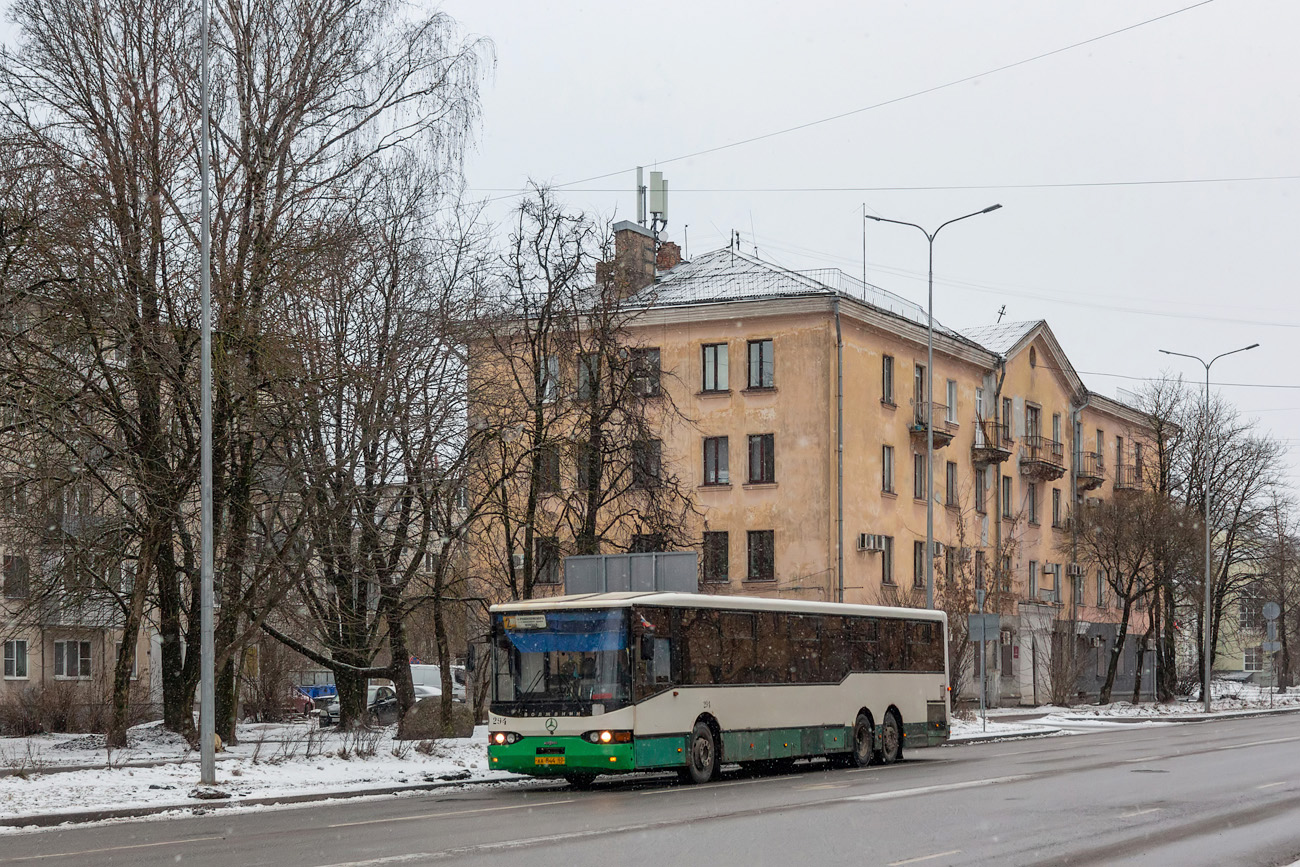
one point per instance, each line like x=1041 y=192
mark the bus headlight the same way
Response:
x=608 y=737
x=501 y=738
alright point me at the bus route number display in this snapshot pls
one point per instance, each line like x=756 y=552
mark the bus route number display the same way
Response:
x=526 y=621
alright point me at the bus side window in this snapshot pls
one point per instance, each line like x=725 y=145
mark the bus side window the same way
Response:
x=703 y=646
x=773 y=649
x=835 y=649
x=805 y=655
x=661 y=665
x=738 y=650
x=864 y=643
x=891 y=646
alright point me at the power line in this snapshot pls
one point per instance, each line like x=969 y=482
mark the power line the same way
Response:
x=898 y=99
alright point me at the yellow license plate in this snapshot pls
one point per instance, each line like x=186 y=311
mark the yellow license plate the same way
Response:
x=549 y=760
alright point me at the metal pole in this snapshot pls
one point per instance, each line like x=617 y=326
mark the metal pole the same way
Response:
x=1207 y=649
x=207 y=697
x=929 y=396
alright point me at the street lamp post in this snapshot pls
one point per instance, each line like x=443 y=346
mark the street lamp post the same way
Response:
x=1205 y=663
x=929 y=395
x=207 y=692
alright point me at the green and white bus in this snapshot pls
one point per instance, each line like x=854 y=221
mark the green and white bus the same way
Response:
x=616 y=682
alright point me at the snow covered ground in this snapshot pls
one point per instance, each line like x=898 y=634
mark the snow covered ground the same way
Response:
x=963 y=730
x=270 y=761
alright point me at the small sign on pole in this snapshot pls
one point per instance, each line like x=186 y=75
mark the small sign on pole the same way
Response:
x=983 y=627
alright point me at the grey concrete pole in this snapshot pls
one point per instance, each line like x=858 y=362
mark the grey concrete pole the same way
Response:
x=207 y=697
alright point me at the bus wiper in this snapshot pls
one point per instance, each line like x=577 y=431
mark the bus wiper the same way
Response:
x=540 y=673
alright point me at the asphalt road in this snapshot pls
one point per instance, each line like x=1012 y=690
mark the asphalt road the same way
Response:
x=1221 y=793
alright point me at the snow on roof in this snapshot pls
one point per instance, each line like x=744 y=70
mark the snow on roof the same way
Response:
x=729 y=275
x=1003 y=337
x=708 y=600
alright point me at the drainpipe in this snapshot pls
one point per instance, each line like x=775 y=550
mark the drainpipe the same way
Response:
x=839 y=452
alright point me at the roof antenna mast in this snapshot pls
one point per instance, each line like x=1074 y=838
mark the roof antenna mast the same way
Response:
x=1002 y=312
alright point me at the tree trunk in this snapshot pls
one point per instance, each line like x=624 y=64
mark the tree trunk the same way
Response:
x=1138 y=658
x=400 y=673
x=1113 y=666
x=227 y=698
x=120 y=717
x=444 y=661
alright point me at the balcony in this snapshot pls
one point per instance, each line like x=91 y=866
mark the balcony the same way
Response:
x=1041 y=459
x=943 y=430
x=1090 y=471
x=82 y=613
x=1128 y=477
x=992 y=443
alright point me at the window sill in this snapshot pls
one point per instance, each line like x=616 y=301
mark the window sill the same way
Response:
x=771 y=580
x=759 y=389
x=17 y=677
x=893 y=495
x=713 y=392
x=888 y=404
x=952 y=507
x=715 y=487
x=65 y=677
x=758 y=486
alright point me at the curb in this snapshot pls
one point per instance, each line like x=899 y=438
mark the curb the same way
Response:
x=1009 y=736
x=1189 y=717
x=199 y=807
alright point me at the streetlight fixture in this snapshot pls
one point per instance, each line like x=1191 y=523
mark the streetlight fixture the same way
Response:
x=1205 y=664
x=929 y=395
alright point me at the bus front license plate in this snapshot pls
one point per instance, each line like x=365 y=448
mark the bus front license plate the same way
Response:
x=549 y=760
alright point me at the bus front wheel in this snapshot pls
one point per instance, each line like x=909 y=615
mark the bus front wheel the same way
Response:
x=703 y=761
x=891 y=740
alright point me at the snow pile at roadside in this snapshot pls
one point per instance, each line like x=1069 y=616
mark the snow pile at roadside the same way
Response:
x=270 y=761
x=964 y=730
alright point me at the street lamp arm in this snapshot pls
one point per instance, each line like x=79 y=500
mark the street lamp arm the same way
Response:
x=1233 y=352
x=987 y=210
x=900 y=223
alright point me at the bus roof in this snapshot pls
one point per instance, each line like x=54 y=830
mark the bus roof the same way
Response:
x=703 y=600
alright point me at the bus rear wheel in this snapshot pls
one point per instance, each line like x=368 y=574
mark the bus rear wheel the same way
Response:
x=702 y=764
x=864 y=747
x=891 y=740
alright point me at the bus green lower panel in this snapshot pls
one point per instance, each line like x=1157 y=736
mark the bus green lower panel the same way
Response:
x=665 y=752
x=923 y=735
x=753 y=746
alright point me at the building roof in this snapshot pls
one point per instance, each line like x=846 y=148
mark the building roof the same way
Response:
x=728 y=275
x=1003 y=337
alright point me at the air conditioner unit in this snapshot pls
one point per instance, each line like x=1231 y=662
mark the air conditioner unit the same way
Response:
x=871 y=542
x=1098 y=641
x=1074 y=570
x=940 y=549
x=518 y=561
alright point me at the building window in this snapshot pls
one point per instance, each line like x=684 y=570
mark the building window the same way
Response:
x=1056 y=507
x=548 y=469
x=1033 y=579
x=16 y=659
x=14 y=495
x=1101 y=448
x=1251 y=613
x=918 y=565
x=1032 y=425
x=981 y=489
x=761 y=367
x=762 y=463
x=716 y=471
x=950 y=412
x=550 y=376
x=1101 y=588
x=949 y=563
x=16 y=577
x=588 y=375
x=1031 y=502
x=546 y=553
x=918 y=477
x=950 y=484
x=588 y=467
x=72 y=659
x=918 y=386
x=762 y=555
x=716 y=557
x=1080 y=588
x=645 y=371
x=887 y=561
x=1056 y=427
x=715 y=367
x=979 y=570
x=887 y=469
x=1007 y=412
x=887 y=379
x=1006 y=497
x=647 y=458
x=1254 y=659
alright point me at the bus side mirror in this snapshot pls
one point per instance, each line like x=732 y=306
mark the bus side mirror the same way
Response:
x=647 y=647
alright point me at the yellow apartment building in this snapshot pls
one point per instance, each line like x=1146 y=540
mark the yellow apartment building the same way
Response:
x=804 y=395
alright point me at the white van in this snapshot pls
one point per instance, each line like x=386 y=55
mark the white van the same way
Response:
x=431 y=676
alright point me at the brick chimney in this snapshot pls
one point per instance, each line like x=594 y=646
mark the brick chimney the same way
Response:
x=633 y=267
x=668 y=257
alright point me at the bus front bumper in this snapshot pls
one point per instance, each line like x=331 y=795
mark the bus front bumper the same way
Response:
x=555 y=756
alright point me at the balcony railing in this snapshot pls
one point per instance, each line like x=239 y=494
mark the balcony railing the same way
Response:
x=1089 y=471
x=943 y=427
x=1042 y=458
x=1128 y=477
x=992 y=443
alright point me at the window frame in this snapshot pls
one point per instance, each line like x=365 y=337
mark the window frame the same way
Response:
x=887 y=380
x=950 y=484
x=887 y=563
x=765 y=472
x=887 y=469
x=646 y=377
x=711 y=558
x=918 y=476
x=84 y=657
x=918 y=565
x=718 y=367
x=719 y=475
x=760 y=371
x=760 y=552
x=13 y=658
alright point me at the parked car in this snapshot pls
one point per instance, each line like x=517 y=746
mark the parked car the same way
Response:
x=381 y=707
x=431 y=676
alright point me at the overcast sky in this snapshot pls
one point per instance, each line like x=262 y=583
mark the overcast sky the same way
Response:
x=583 y=89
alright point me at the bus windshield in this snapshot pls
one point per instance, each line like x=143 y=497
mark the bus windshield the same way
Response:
x=560 y=661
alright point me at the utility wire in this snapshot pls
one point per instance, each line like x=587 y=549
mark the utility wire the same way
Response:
x=898 y=99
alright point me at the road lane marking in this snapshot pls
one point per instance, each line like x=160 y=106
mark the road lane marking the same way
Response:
x=945 y=787
x=1145 y=759
x=1271 y=785
x=821 y=786
x=391 y=859
x=924 y=858
x=1140 y=812
x=443 y=815
x=110 y=849
x=712 y=786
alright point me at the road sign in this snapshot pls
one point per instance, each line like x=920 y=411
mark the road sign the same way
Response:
x=1271 y=611
x=983 y=627
x=1271 y=646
